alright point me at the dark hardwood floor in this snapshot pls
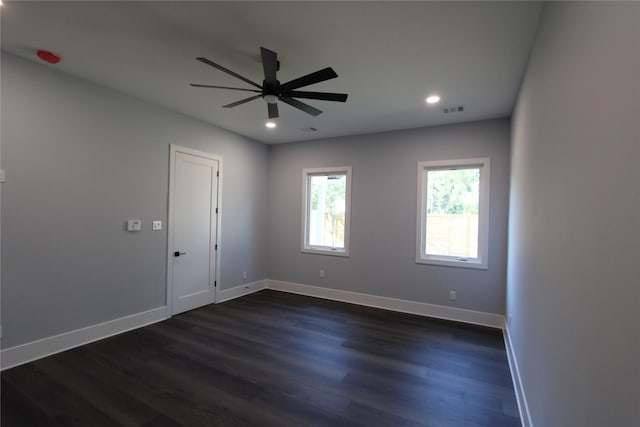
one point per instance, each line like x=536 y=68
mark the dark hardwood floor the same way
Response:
x=272 y=359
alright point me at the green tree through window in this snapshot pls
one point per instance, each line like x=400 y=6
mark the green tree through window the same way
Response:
x=453 y=191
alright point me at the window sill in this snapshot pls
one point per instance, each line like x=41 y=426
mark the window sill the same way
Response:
x=323 y=251
x=448 y=262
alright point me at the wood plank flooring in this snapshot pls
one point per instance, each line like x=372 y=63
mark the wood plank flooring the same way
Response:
x=272 y=359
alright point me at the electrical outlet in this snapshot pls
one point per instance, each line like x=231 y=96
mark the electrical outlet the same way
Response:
x=321 y=273
x=244 y=274
x=452 y=295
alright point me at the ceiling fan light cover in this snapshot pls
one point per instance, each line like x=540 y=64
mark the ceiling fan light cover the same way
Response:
x=270 y=99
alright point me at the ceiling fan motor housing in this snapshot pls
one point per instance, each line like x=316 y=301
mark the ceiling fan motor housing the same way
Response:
x=270 y=93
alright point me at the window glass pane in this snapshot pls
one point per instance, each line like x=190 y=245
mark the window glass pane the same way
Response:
x=327 y=199
x=453 y=199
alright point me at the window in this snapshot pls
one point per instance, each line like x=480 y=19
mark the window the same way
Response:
x=326 y=210
x=453 y=213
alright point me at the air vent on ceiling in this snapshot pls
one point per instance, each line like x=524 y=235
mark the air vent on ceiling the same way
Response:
x=456 y=109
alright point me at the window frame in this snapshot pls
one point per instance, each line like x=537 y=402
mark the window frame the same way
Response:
x=481 y=262
x=305 y=247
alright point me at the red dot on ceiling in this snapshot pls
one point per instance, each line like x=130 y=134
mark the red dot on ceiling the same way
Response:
x=49 y=57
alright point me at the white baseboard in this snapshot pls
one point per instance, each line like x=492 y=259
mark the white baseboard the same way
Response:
x=28 y=352
x=525 y=416
x=241 y=290
x=404 y=306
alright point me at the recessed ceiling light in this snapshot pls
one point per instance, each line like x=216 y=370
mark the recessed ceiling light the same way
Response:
x=433 y=99
x=270 y=125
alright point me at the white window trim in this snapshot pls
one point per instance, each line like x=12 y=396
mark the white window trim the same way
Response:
x=326 y=250
x=483 y=214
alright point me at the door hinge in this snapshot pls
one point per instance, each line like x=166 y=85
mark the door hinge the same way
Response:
x=216 y=210
x=215 y=283
x=218 y=174
x=216 y=248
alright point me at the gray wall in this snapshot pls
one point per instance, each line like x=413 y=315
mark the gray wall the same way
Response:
x=574 y=226
x=383 y=220
x=80 y=160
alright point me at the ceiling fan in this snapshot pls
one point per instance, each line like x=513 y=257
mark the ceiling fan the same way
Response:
x=272 y=91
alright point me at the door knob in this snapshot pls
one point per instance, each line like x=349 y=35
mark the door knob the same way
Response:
x=178 y=253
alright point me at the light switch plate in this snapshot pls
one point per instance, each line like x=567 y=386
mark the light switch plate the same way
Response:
x=156 y=225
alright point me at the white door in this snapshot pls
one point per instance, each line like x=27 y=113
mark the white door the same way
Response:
x=193 y=231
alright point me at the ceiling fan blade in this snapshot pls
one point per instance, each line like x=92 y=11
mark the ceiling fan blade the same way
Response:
x=323 y=96
x=242 y=101
x=300 y=105
x=226 y=70
x=273 y=111
x=225 y=87
x=309 y=79
x=270 y=66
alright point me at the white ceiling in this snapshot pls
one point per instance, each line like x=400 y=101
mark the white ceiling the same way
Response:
x=388 y=55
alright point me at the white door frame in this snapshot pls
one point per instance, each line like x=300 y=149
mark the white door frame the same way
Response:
x=173 y=149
